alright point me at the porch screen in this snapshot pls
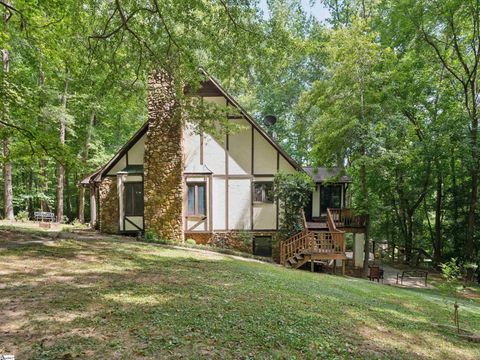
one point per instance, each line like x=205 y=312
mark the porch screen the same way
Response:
x=133 y=199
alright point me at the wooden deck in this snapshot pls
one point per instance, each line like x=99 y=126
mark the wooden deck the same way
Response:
x=322 y=240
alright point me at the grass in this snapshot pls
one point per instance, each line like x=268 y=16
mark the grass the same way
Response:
x=106 y=299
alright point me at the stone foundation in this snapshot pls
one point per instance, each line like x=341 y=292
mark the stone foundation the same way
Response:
x=108 y=197
x=163 y=160
x=236 y=240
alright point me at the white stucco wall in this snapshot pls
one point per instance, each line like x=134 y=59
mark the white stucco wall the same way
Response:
x=137 y=220
x=239 y=202
x=265 y=155
x=135 y=154
x=214 y=153
x=218 y=204
x=192 y=148
x=121 y=164
x=240 y=149
x=264 y=216
x=285 y=166
x=358 y=252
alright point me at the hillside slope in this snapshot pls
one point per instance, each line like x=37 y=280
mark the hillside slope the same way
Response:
x=105 y=299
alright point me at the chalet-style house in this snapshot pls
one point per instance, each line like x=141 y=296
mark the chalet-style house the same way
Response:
x=179 y=184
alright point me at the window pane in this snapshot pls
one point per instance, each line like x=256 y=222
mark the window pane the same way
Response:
x=201 y=200
x=191 y=200
x=257 y=192
x=336 y=196
x=268 y=192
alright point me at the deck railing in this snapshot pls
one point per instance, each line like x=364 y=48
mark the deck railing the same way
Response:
x=345 y=218
x=328 y=242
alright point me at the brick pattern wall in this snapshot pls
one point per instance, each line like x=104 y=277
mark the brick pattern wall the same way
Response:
x=163 y=160
x=108 y=197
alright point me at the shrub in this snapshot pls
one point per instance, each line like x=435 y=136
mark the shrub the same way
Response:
x=451 y=270
x=293 y=191
x=152 y=237
x=77 y=223
x=22 y=216
x=190 y=242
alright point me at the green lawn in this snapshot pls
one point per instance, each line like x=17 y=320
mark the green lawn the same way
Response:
x=128 y=300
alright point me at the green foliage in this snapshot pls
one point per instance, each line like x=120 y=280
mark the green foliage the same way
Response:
x=190 y=242
x=152 y=237
x=22 y=216
x=293 y=191
x=451 y=270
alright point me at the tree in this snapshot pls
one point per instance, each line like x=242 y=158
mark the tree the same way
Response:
x=351 y=97
x=451 y=29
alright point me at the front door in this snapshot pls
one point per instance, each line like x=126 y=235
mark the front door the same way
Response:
x=330 y=197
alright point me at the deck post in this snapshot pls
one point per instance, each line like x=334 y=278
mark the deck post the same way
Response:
x=312 y=265
x=335 y=267
x=343 y=267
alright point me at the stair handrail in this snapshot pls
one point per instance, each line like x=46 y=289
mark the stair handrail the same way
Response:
x=330 y=221
x=294 y=244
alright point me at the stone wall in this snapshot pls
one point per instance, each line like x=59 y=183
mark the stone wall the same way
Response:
x=236 y=240
x=163 y=160
x=200 y=238
x=108 y=197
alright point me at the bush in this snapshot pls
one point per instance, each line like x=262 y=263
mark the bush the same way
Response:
x=293 y=191
x=451 y=270
x=190 y=242
x=152 y=237
x=22 y=216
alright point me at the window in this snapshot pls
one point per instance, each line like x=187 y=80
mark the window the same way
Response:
x=263 y=192
x=330 y=197
x=196 y=199
x=262 y=245
x=133 y=199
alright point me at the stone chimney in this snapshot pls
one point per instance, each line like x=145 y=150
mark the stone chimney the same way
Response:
x=163 y=162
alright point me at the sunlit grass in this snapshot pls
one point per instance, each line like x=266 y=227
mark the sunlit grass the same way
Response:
x=103 y=299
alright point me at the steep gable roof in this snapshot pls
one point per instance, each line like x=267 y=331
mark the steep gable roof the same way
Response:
x=211 y=87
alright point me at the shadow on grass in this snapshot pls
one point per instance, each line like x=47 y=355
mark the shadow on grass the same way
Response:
x=108 y=300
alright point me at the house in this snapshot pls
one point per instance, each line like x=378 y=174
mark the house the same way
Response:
x=215 y=189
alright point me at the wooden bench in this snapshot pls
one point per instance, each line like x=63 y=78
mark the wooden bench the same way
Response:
x=44 y=215
x=419 y=274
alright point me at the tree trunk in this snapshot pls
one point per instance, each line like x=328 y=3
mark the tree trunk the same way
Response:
x=469 y=244
x=43 y=162
x=81 y=198
x=7 y=164
x=409 y=239
x=364 y=188
x=437 y=248
x=7 y=186
x=44 y=184
x=61 y=167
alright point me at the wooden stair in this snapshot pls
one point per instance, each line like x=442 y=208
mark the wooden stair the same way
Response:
x=309 y=246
